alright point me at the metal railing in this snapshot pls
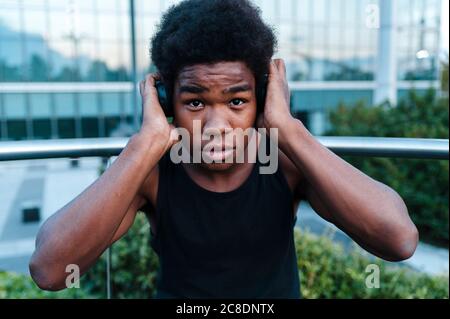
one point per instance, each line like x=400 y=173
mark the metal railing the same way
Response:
x=107 y=147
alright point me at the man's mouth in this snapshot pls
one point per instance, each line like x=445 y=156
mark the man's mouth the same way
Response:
x=218 y=153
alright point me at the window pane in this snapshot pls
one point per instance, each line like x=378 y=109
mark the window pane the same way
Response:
x=9 y=23
x=87 y=26
x=58 y=5
x=128 y=98
x=303 y=11
x=111 y=104
x=11 y=61
x=88 y=104
x=38 y=66
x=145 y=28
x=106 y=6
x=89 y=126
x=83 y=5
x=35 y=22
x=14 y=105
x=107 y=27
x=122 y=24
x=148 y=7
x=42 y=128
x=65 y=105
x=319 y=11
x=40 y=105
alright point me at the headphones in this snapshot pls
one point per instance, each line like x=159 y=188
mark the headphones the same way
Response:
x=167 y=106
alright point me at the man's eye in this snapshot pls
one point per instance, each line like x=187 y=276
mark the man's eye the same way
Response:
x=195 y=104
x=237 y=102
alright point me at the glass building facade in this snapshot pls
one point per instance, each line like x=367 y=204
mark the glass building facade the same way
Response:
x=68 y=67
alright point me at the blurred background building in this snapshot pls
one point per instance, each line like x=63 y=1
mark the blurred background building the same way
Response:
x=68 y=68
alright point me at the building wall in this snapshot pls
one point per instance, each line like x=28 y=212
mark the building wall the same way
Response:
x=66 y=65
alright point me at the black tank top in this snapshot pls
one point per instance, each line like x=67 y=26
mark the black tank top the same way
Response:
x=236 y=244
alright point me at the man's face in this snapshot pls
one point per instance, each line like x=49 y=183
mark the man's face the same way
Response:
x=221 y=96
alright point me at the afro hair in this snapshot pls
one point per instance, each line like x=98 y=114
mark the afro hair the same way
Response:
x=209 y=31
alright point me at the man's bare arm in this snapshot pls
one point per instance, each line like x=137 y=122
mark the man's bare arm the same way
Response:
x=80 y=231
x=370 y=212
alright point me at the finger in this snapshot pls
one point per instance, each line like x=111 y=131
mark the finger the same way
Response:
x=150 y=80
x=273 y=71
x=174 y=134
x=277 y=78
x=281 y=72
x=153 y=77
x=281 y=68
x=150 y=94
x=277 y=63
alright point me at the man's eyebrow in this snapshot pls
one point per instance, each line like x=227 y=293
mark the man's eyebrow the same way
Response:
x=200 y=89
x=238 y=88
x=192 y=89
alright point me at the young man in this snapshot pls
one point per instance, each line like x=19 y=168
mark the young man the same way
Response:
x=220 y=229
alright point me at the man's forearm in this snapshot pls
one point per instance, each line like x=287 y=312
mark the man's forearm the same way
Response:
x=106 y=201
x=356 y=202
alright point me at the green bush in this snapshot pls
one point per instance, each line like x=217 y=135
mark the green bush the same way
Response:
x=423 y=184
x=18 y=286
x=133 y=265
x=326 y=271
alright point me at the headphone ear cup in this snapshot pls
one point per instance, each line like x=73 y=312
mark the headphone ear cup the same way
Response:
x=163 y=98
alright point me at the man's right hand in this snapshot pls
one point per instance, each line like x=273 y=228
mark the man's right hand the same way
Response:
x=155 y=127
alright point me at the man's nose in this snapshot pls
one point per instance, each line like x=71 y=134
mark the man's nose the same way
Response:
x=216 y=122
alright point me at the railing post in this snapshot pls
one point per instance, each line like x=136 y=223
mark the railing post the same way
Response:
x=108 y=250
x=134 y=64
x=108 y=273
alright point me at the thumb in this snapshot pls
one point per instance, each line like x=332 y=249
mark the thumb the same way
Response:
x=174 y=135
x=149 y=94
